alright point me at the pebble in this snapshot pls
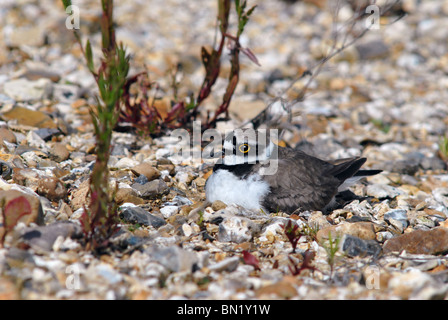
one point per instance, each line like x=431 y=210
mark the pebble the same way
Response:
x=27 y=117
x=362 y=230
x=235 y=229
x=42 y=238
x=397 y=215
x=434 y=241
x=381 y=191
x=7 y=135
x=146 y=170
x=175 y=259
x=59 y=152
x=354 y=246
x=169 y=211
x=27 y=91
x=151 y=190
x=226 y=265
x=52 y=188
x=137 y=215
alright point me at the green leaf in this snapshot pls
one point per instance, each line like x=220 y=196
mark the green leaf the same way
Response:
x=89 y=57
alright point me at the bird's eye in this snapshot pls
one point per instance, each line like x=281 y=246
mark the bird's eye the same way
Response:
x=244 y=148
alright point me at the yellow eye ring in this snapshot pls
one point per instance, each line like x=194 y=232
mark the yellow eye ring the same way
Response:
x=244 y=148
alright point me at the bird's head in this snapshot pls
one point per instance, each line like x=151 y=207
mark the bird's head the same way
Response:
x=247 y=146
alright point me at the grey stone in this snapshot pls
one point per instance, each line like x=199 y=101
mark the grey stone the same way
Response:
x=175 y=258
x=151 y=190
x=354 y=246
x=65 y=93
x=382 y=191
x=372 y=50
x=142 y=217
x=43 y=237
x=433 y=163
x=229 y=265
x=26 y=90
x=235 y=229
x=47 y=133
x=399 y=215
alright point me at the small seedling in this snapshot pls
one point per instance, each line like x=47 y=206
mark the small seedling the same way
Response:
x=332 y=247
x=293 y=234
x=308 y=257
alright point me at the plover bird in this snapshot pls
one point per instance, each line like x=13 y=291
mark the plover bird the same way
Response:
x=255 y=173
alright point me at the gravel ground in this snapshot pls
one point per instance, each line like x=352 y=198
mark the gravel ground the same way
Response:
x=383 y=98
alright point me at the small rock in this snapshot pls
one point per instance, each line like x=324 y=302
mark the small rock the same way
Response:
x=433 y=163
x=174 y=258
x=141 y=179
x=151 y=190
x=375 y=49
x=26 y=90
x=184 y=177
x=36 y=74
x=79 y=197
x=318 y=221
x=399 y=215
x=382 y=191
x=354 y=246
x=146 y=170
x=142 y=217
x=405 y=166
x=28 y=117
x=109 y=274
x=26 y=36
x=26 y=177
x=43 y=237
x=441 y=195
x=179 y=201
x=8 y=290
x=434 y=241
x=382 y=236
x=412 y=284
x=187 y=230
x=7 y=135
x=218 y=205
x=52 y=188
x=127 y=195
x=199 y=182
x=65 y=93
x=169 y=211
x=125 y=163
x=235 y=229
x=47 y=133
x=282 y=289
x=362 y=230
x=226 y=265
x=59 y=152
